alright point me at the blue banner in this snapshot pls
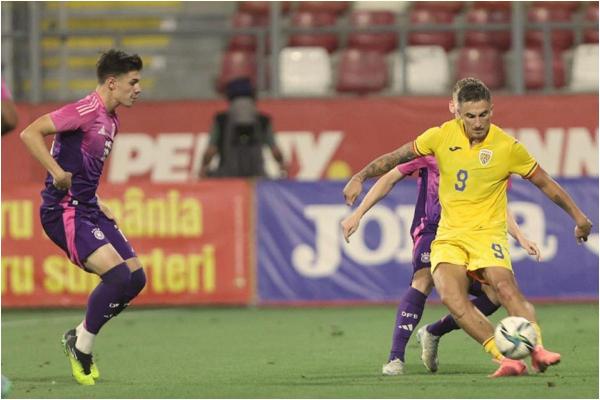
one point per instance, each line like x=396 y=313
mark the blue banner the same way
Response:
x=302 y=255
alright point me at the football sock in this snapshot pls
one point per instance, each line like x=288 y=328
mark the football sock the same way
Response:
x=85 y=341
x=538 y=332
x=408 y=316
x=490 y=347
x=136 y=284
x=79 y=327
x=448 y=324
x=106 y=297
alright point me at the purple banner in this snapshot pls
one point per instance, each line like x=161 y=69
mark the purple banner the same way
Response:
x=302 y=256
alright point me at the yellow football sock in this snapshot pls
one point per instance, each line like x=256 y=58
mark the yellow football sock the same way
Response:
x=538 y=332
x=490 y=347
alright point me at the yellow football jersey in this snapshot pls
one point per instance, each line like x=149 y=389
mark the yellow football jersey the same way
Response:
x=473 y=179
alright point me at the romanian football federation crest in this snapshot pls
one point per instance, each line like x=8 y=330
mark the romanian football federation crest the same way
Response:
x=485 y=156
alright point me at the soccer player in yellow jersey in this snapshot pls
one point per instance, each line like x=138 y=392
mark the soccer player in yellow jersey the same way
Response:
x=475 y=159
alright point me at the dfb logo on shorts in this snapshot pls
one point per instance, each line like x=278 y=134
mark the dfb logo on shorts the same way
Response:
x=425 y=257
x=98 y=234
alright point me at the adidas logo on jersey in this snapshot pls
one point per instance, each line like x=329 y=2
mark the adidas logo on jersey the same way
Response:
x=408 y=327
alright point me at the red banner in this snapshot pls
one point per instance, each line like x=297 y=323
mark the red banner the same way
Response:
x=192 y=240
x=324 y=138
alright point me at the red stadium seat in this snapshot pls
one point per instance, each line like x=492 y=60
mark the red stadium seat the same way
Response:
x=448 y=6
x=561 y=39
x=483 y=63
x=492 y=5
x=445 y=39
x=236 y=64
x=559 y=5
x=534 y=65
x=262 y=7
x=498 y=39
x=590 y=35
x=362 y=71
x=336 y=7
x=384 y=42
x=246 y=20
x=310 y=20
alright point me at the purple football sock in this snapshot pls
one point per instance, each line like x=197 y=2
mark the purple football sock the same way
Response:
x=136 y=284
x=448 y=324
x=408 y=316
x=106 y=297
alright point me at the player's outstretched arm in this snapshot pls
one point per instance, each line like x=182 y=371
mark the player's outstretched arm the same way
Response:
x=524 y=242
x=561 y=198
x=379 y=190
x=377 y=167
x=33 y=137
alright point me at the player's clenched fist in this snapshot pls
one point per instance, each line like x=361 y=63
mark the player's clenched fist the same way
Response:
x=352 y=189
x=62 y=181
x=350 y=225
x=582 y=231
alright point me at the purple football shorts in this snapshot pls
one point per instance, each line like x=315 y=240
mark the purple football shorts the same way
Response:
x=79 y=231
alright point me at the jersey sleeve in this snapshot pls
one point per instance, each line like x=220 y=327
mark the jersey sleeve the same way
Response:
x=409 y=167
x=66 y=118
x=521 y=161
x=427 y=142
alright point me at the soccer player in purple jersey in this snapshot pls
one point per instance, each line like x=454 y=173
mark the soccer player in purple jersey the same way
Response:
x=71 y=213
x=423 y=230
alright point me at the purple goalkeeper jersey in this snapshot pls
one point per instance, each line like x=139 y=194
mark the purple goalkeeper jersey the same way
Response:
x=427 y=209
x=85 y=134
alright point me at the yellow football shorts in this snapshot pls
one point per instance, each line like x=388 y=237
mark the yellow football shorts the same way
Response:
x=473 y=249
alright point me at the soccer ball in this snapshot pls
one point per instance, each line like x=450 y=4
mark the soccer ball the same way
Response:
x=515 y=337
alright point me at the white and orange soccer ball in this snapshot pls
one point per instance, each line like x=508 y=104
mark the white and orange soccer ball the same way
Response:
x=515 y=337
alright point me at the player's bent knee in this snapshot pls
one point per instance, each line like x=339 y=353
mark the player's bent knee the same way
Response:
x=507 y=290
x=422 y=281
x=119 y=275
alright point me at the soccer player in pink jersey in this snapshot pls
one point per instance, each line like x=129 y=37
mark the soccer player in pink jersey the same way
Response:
x=71 y=213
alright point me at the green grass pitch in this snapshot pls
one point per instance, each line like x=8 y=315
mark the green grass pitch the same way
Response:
x=284 y=353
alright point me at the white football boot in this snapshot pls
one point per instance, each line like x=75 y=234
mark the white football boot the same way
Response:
x=429 y=348
x=393 y=368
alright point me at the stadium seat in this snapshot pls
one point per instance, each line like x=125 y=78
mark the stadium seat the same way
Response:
x=559 y=5
x=305 y=19
x=304 y=71
x=424 y=16
x=499 y=39
x=483 y=63
x=492 y=5
x=236 y=64
x=362 y=71
x=384 y=41
x=336 y=7
x=584 y=76
x=428 y=70
x=246 y=20
x=396 y=7
x=590 y=35
x=448 y=6
x=534 y=66
x=561 y=39
x=262 y=7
